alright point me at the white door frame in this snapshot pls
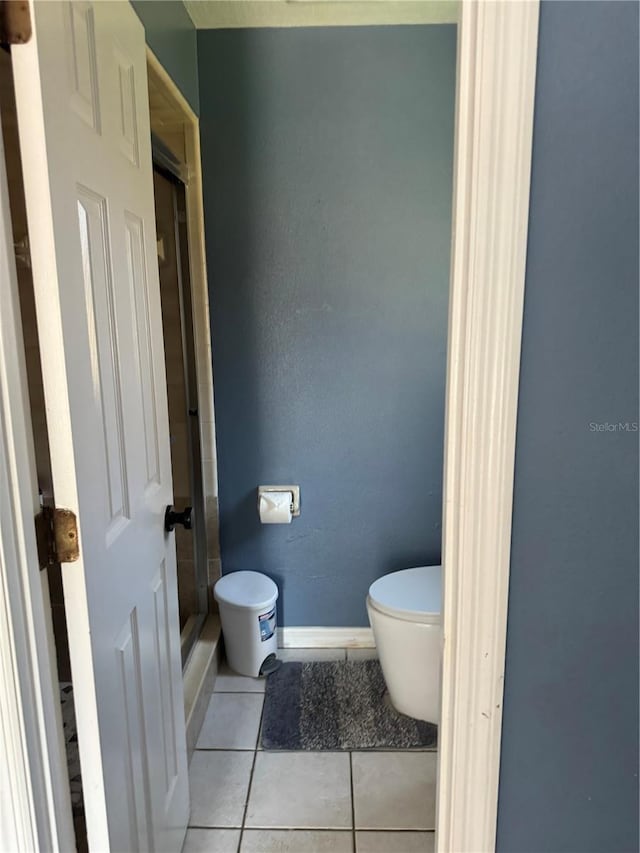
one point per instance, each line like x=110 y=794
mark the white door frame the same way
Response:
x=35 y=804
x=497 y=46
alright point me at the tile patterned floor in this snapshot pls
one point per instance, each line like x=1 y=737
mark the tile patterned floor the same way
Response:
x=246 y=800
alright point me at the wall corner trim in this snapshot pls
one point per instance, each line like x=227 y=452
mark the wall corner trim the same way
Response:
x=497 y=46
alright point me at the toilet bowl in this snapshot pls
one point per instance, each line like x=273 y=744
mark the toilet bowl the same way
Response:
x=405 y=614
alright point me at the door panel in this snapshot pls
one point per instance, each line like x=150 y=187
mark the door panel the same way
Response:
x=85 y=139
x=139 y=290
x=100 y=301
x=137 y=769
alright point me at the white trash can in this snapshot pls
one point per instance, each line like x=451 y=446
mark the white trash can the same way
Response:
x=248 y=616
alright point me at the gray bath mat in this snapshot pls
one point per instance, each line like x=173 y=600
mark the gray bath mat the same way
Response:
x=337 y=705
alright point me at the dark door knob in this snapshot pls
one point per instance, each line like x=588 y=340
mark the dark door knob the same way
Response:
x=171 y=518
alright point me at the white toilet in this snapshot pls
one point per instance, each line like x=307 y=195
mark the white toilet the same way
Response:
x=405 y=615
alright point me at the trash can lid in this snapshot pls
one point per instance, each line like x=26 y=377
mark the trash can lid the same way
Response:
x=246 y=589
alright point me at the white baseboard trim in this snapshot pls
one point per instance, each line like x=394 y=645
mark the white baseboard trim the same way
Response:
x=199 y=676
x=325 y=638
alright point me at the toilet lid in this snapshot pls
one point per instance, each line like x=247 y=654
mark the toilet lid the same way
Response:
x=410 y=593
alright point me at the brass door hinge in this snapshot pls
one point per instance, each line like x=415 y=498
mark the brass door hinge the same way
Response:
x=57 y=536
x=15 y=22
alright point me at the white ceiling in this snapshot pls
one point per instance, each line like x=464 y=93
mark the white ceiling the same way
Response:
x=218 y=14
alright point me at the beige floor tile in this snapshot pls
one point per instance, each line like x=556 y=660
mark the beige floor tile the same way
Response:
x=219 y=782
x=286 y=655
x=394 y=790
x=300 y=790
x=211 y=841
x=362 y=654
x=229 y=681
x=395 y=842
x=296 y=841
x=232 y=721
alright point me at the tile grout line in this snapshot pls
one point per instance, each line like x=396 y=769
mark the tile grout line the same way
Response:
x=238 y=693
x=406 y=830
x=253 y=767
x=270 y=828
x=286 y=828
x=353 y=803
x=224 y=749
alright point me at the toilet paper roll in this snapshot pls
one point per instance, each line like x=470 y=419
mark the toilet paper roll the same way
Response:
x=275 y=507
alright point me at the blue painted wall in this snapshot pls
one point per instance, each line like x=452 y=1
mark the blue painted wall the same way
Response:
x=327 y=161
x=569 y=775
x=171 y=35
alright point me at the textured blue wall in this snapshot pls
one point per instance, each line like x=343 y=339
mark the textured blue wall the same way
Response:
x=327 y=160
x=171 y=35
x=569 y=775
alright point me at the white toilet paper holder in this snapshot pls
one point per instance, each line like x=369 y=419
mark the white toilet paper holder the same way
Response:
x=295 y=496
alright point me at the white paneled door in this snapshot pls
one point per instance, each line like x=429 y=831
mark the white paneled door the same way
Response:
x=83 y=116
